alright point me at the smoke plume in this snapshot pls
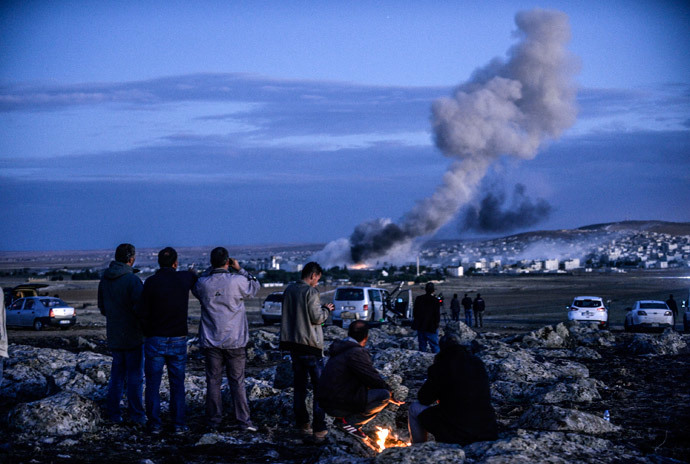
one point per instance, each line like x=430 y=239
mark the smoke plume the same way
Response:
x=496 y=213
x=508 y=107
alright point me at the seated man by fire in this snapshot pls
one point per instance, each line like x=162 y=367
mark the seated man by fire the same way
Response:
x=350 y=388
x=459 y=383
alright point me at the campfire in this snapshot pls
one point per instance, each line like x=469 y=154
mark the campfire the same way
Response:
x=384 y=439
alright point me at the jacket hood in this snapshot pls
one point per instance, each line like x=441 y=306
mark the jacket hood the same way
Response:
x=340 y=346
x=117 y=270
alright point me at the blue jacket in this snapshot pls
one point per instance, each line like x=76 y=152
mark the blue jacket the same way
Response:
x=118 y=294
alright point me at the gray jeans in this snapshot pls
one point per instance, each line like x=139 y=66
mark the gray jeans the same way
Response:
x=417 y=432
x=234 y=361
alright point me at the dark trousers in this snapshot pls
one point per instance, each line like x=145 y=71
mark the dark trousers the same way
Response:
x=377 y=400
x=234 y=361
x=479 y=318
x=172 y=353
x=306 y=368
x=128 y=365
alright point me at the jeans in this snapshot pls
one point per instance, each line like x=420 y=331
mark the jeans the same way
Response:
x=2 y=365
x=234 y=361
x=170 y=352
x=417 y=432
x=428 y=337
x=377 y=400
x=305 y=367
x=468 y=317
x=479 y=318
x=127 y=366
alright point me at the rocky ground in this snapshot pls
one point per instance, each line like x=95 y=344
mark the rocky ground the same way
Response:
x=550 y=388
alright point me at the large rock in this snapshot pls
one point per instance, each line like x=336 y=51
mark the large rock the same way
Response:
x=549 y=337
x=578 y=391
x=462 y=330
x=422 y=453
x=24 y=383
x=553 y=418
x=669 y=342
x=508 y=363
x=407 y=363
x=63 y=414
x=526 y=447
x=587 y=335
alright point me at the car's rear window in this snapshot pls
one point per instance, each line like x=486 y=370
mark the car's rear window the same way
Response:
x=349 y=294
x=587 y=303
x=52 y=302
x=275 y=297
x=653 y=306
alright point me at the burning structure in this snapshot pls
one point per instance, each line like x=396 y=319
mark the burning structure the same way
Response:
x=508 y=107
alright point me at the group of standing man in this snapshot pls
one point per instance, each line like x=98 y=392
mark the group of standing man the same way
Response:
x=471 y=307
x=147 y=329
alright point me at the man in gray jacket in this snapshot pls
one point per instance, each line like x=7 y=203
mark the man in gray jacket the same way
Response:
x=118 y=294
x=224 y=333
x=301 y=334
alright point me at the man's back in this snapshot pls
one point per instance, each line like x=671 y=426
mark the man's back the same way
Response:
x=300 y=325
x=165 y=302
x=118 y=294
x=478 y=304
x=467 y=302
x=427 y=313
x=223 y=316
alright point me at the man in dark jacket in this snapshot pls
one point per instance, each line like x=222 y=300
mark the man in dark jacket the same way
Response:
x=673 y=306
x=467 y=306
x=458 y=381
x=455 y=307
x=426 y=319
x=164 y=307
x=301 y=334
x=478 y=307
x=350 y=388
x=118 y=294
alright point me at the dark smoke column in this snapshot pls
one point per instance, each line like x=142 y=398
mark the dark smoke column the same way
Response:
x=507 y=108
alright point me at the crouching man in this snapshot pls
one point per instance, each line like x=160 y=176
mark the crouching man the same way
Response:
x=458 y=381
x=350 y=388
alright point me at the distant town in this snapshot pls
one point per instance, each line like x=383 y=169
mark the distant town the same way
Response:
x=616 y=247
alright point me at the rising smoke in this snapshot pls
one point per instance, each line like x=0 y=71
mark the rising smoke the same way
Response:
x=496 y=213
x=506 y=108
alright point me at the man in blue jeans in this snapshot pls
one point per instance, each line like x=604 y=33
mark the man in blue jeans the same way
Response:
x=118 y=295
x=164 y=306
x=302 y=336
x=427 y=318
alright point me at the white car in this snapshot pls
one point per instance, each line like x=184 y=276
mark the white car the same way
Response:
x=352 y=303
x=589 y=309
x=648 y=314
x=272 y=308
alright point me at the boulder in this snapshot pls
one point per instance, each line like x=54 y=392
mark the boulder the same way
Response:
x=24 y=383
x=508 y=363
x=63 y=414
x=72 y=381
x=333 y=332
x=549 y=337
x=422 y=453
x=407 y=363
x=588 y=335
x=553 y=418
x=669 y=342
x=578 y=391
x=462 y=330
x=257 y=389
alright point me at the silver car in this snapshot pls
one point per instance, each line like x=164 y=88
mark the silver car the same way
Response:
x=648 y=314
x=39 y=312
x=272 y=308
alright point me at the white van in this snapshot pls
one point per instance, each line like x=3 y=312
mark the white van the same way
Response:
x=366 y=303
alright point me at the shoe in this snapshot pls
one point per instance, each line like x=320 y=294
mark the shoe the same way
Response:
x=250 y=428
x=154 y=430
x=342 y=424
x=305 y=430
x=180 y=430
x=320 y=437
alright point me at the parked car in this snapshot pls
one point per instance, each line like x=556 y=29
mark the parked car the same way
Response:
x=648 y=314
x=39 y=312
x=367 y=303
x=589 y=309
x=272 y=308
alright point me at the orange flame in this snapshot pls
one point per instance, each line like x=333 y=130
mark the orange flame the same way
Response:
x=359 y=267
x=384 y=440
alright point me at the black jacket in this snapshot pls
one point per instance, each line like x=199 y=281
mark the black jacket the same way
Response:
x=478 y=305
x=164 y=303
x=348 y=375
x=458 y=380
x=118 y=294
x=426 y=313
x=467 y=303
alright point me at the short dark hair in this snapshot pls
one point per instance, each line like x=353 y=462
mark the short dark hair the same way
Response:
x=124 y=252
x=429 y=287
x=219 y=256
x=167 y=257
x=359 y=330
x=311 y=268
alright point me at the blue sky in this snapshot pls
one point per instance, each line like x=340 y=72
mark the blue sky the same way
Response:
x=205 y=123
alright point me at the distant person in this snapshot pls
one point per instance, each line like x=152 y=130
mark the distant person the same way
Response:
x=350 y=388
x=478 y=307
x=224 y=333
x=455 y=307
x=426 y=319
x=301 y=334
x=467 y=306
x=118 y=295
x=164 y=307
x=458 y=381
x=673 y=306
x=3 y=337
